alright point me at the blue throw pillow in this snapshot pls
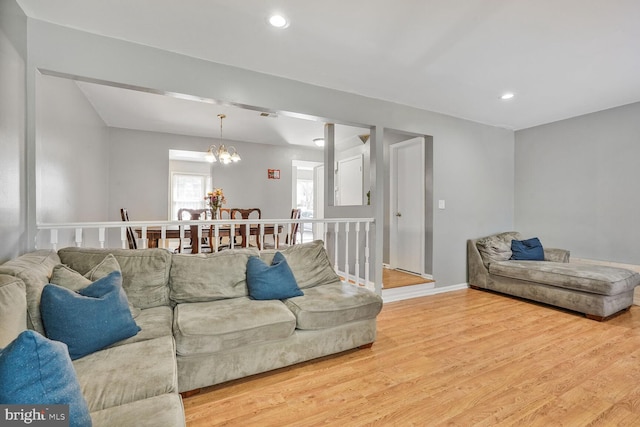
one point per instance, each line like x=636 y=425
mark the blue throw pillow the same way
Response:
x=89 y=320
x=527 y=250
x=271 y=282
x=38 y=371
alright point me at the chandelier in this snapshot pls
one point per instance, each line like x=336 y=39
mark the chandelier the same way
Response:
x=221 y=153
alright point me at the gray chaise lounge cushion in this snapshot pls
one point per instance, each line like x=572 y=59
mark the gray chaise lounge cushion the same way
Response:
x=595 y=279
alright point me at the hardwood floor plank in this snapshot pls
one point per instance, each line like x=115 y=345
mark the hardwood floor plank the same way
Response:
x=462 y=358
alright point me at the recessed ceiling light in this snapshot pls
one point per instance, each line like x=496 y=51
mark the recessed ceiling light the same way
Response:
x=278 y=21
x=507 y=95
x=319 y=142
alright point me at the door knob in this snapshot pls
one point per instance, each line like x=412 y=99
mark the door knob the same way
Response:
x=398 y=214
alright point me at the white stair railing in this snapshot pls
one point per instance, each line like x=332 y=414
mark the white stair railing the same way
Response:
x=343 y=238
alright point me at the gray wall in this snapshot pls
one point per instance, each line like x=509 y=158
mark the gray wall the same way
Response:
x=140 y=174
x=13 y=167
x=473 y=163
x=72 y=154
x=577 y=184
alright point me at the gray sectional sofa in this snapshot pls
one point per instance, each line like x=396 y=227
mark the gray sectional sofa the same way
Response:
x=595 y=290
x=198 y=325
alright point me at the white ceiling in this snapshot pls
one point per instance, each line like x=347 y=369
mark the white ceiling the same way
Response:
x=562 y=58
x=142 y=110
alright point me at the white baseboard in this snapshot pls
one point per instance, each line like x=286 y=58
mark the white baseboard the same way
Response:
x=415 y=291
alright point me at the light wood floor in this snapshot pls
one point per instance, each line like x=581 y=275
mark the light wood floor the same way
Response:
x=460 y=358
x=396 y=279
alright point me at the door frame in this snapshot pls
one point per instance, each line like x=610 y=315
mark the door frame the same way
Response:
x=393 y=205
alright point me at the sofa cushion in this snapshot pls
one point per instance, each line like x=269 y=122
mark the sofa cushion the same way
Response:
x=119 y=375
x=13 y=308
x=163 y=410
x=38 y=371
x=333 y=305
x=89 y=320
x=209 y=277
x=309 y=263
x=34 y=269
x=209 y=327
x=275 y=281
x=527 y=250
x=154 y=322
x=596 y=279
x=145 y=272
x=496 y=247
x=67 y=277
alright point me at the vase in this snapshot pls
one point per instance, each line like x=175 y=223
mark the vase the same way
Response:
x=215 y=213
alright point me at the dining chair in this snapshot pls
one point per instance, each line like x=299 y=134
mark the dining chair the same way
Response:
x=222 y=242
x=245 y=229
x=291 y=237
x=185 y=214
x=131 y=237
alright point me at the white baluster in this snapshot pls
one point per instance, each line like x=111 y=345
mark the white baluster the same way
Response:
x=216 y=236
x=346 y=251
x=78 y=237
x=357 y=266
x=54 y=239
x=101 y=236
x=261 y=235
x=145 y=241
x=366 y=255
x=162 y=243
x=336 y=229
x=181 y=233
x=325 y=231
x=123 y=237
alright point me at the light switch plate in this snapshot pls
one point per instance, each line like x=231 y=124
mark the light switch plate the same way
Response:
x=440 y=204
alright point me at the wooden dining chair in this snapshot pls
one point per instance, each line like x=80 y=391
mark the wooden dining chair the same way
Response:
x=131 y=237
x=222 y=242
x=245 y=229
x=185 y=214
x=290 y=239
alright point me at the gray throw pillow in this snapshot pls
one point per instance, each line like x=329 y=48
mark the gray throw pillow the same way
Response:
x=497 y=247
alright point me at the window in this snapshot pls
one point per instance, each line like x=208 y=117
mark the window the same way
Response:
x=188 y=191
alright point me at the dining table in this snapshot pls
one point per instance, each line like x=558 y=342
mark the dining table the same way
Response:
x=154 y=234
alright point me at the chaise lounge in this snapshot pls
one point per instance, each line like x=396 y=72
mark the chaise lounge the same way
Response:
x=595 y=290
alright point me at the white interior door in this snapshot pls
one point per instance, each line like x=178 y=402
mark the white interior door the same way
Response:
x=350 y=181
x=407 y=205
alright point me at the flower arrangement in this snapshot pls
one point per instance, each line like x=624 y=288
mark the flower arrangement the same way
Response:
x=215 y=199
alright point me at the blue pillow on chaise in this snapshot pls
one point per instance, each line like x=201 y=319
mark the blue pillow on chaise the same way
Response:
x=275 y=281
x=89 y=320
x=38 y=371
x=527 y=250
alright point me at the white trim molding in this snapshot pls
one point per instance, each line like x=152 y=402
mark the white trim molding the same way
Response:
x=415 y=291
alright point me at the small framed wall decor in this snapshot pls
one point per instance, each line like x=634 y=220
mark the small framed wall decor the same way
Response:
x=273 y=173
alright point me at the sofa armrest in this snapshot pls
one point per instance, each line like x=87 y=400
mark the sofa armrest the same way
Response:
x=556 y=255
x=477 y=274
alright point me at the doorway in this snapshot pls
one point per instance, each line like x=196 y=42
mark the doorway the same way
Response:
x=408 y=217
x=305 y=194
